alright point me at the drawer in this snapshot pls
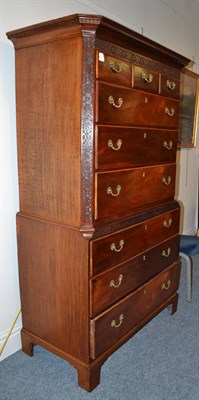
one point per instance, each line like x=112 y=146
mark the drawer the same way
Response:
x=124 y=191
x=170 y=87
x=113 y=69
x=145 y=79
x=116 y=105
x=109 y=287
x=108 y=327
x=114 y=249
x=127 y=147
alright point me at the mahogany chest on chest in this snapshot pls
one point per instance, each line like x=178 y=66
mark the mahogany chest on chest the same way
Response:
x=97 y=127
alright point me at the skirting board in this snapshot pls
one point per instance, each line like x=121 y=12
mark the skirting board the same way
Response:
x=14 y=342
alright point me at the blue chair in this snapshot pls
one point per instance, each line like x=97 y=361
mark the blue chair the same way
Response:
x=189 y=246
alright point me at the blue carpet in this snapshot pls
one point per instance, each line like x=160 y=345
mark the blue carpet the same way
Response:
x=161 y=362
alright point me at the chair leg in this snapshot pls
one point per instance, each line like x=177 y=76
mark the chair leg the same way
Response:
x=189 y=275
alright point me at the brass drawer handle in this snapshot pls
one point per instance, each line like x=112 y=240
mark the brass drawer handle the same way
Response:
x=115 y=67
x=167 y=285
x=119 y=145
x=148 y=78
x=114 y=248
x=112 y=101
x=118 y=190
x=166 y=181
x=167 y=224
x=169 y=112
x=112 y=283
x=114 y=323
x=166 y=253
x=168 y=145
x=171 y=85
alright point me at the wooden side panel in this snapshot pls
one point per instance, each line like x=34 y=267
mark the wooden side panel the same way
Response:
x=53 y=267
x=48 y=125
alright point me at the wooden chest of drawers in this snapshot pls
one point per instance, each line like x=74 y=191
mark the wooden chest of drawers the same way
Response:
x=97 y=125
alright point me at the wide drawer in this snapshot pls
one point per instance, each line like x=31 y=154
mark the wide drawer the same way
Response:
x=112 y=285
x=116 y=105
x=113 y=69
x=124 y=191
x=127 y=147
x=145 y=79
x=170 y=87
x=108 y=327
x=111 y=250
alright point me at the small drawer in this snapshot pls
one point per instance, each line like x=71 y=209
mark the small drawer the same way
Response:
x=128 y=147
x=113 y=69
x=121 y=192
x=109 y=287
x=170 y=87
x=117 y=248
x=108 y=327
x=116 y=105
x=145 y=79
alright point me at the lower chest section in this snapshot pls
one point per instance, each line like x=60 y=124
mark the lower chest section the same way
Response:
x=132 y=273
x=133 y=311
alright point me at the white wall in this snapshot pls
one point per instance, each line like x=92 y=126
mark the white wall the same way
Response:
x=173 y=23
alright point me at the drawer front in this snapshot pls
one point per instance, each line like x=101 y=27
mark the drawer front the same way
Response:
x=119 y=247
x=122 y=192
x=116 y=105
x=109 y=287
x=170 y=87
x=145 y=79
x=109 y=327
x=128 y=147
x=113 y=69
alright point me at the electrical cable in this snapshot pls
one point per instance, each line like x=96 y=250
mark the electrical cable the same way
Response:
x=10 y=331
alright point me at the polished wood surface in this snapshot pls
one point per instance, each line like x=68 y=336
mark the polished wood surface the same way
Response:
x=46 y=119
x=49 y=282
x=137 y=239
x=109 y=287
x=145 y=79
x=153 y=185
x=132 y=309
x=97 y=107
x=137 y=108
x=170 y=87
x=113 y=69
x=127 y=147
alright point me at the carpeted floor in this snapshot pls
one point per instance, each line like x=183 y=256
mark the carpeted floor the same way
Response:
x=161 y=362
